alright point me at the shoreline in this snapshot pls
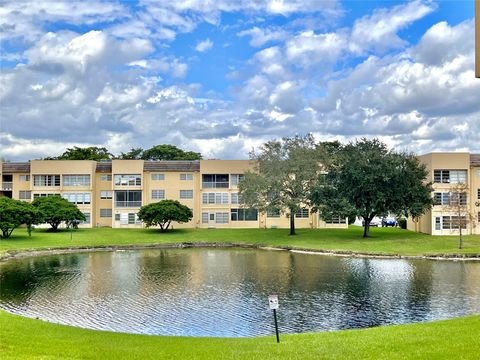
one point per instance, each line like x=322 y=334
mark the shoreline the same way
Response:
x=19 y=254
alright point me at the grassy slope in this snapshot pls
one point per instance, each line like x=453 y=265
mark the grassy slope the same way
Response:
x=383 y=240
x=452 y=339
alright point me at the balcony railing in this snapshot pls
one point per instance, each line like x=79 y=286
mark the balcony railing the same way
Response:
x=214 y=185
x=7 y=186
x=129 y=204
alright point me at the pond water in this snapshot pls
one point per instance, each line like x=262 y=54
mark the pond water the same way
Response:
x=223 y=292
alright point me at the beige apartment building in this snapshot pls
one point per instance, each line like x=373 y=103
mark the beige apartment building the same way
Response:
x=110 y=193
x=453 y=175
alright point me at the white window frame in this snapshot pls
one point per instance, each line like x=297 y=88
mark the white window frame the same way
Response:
x=186 y=194
x=157 y=194
x=106 y=194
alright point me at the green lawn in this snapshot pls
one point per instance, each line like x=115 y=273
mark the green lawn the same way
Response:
x=382 y=240
x=452 y=339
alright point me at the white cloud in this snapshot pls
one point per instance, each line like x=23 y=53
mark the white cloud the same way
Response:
x=204 y=45
x=25 y=19
x=309 y=48
x=443 y=42
x=260 y=37
x=379 y=30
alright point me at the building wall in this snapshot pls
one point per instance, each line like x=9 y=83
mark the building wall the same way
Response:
x=448 y=161
x=172 y=183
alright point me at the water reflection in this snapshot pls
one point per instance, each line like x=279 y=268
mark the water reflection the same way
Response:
x=223 y=292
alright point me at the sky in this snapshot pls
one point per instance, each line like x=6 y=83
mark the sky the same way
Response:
x=223 y=77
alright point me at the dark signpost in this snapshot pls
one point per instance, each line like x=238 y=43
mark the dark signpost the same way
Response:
x=273 y=304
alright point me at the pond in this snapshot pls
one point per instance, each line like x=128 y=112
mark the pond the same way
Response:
x=223 y=292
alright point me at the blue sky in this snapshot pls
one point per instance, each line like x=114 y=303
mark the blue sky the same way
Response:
x=222 y=77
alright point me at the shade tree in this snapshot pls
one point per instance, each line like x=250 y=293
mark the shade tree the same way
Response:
x=162 y=214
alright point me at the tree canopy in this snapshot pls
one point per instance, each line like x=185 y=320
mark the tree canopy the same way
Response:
x=14 y=213
x=161 y=152
x=54 y=209
x=366 y=179
x=157 y=152
x=285 y=172
x=162 y=213
x=86 y=153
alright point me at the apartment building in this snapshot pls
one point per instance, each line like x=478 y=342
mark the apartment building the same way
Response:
x=454 y=176
x=110 y=193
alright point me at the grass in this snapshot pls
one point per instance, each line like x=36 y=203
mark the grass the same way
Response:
x=392 y=241
x=24 y=338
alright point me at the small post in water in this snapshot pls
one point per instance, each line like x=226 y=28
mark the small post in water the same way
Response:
x=273 y=304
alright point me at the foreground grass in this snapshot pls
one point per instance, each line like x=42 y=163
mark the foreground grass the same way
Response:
x=391 y=241
x=22 y=338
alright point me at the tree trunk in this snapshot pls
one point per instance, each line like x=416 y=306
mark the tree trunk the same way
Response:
x=366 y=227
x=292 y=222
x=54 y=226
x=461 y=239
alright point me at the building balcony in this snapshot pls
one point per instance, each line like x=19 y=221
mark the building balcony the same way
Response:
x=7 y=186
x=128 y=204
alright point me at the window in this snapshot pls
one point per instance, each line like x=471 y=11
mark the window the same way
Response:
x=133 y=219
x=336 y=220
x=478 y=194
x=450 y=222
x=478 y=217
x=186 y=176
x=221 y=217
x=128 y=198
x=215 y=198
x=234 y=198
x=186 y=194
x=24 y=177
x=117 y=217
x=236 y=178
x=158 y=194
x=106 y=178
x=105 y=213
x=458 y=198
x=213 y=181
x=204 y=218
x=302 y=213
x=46 y=180
x=440 y=198
x=450 y=176
x=128 y=180
x=77 y=198
x=25 y=195
x=273 y=213
x=450 y=198
x=106 y=194
x=87 y=218
x=243 y=214
x=76 y=180
x=156 y=177
x=43 y=195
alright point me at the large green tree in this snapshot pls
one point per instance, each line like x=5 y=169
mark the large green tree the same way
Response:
x=162 y=213
x=86 y=153
x=367 y=179
x=161 y=152
x=14 y=213
x=284 y=173
x=54 y=209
